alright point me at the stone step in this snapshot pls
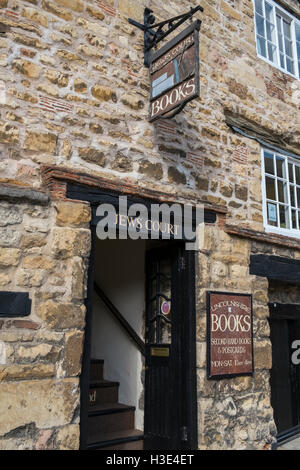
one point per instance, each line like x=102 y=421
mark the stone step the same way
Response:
x=96 y=370
x=110 y=417
x=129 y=439
x=103 y=391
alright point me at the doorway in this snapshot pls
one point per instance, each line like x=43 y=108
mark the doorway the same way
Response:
x=285 y=375
x=136 y=373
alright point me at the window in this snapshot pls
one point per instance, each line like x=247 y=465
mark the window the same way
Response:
x=281 y=193
x=277 y=36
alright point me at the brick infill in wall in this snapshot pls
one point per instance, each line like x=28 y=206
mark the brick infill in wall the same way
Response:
x=56 y=180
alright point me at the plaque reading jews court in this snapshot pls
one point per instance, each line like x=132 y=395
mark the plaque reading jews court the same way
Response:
x=174 y=74
x=230 y=338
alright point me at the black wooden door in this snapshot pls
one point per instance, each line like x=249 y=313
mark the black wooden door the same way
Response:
x=285 y=375
x=168 y=423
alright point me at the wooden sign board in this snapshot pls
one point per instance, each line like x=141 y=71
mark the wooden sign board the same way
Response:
x=174 y=74
x=230 y=335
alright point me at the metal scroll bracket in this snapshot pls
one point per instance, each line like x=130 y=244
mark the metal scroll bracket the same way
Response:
x=154 y=33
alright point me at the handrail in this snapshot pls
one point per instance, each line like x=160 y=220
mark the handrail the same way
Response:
x=118 y=316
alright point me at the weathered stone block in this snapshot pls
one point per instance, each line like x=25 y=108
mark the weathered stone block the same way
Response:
x=40 y=142
x=262 y=355
x=176 y=176
x=92 y=155
x=9 y=257
x=104 y=93
x=73 y=353
x=47 y=403
x=67 y=242
x=76 y=5
x=9 y=134
x=132 y=101
x=26 y=371
x=72 y=214
x=33 y=14
x=62 y=316
x=60 y=12
x=67 y=438
x=153 y=170
x=29 y=69
x=78 y=286
x=39 y=352
x=38 y=262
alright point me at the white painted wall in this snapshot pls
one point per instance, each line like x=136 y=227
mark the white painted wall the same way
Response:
x=120 y=272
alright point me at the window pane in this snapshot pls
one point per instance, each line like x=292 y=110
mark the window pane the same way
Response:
x=291 y=173
x=270 y=31
x=260 y=25
x=280 y=42
x=270 y=188
x=280 y=167
x=292 y=195
x=261 y=46
x=259 y=6
x=289 y=65
x=281 y=191
x=283 y=214
x=271 y=52
x=297 y=171
x=298 y=32
x=269 y=163
x=272 y=214
x=294 y=219
x=269 y=12
x=298 y=197
x=288 y=47
x=299 y=219
x=279 y=27
x=286 y=29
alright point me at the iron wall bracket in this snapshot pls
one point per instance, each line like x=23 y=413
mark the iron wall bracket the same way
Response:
x=154 y=33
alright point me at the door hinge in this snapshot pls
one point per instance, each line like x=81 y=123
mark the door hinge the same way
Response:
x=184 y=433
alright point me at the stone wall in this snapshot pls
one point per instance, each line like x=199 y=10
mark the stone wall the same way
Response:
x=233 y=413
x=74 y=93
x=43 y=251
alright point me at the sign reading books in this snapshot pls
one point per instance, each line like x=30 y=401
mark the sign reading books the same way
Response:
x=230 y=335
x=174 y=74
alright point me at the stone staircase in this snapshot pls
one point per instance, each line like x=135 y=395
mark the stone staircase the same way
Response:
x=110 y=423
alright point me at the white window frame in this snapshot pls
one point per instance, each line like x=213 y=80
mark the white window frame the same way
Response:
x=293 y=21
x=290 y=232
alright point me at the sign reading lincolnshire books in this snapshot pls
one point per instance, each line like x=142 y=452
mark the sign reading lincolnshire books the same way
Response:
x=230 y=334
x=174 y=74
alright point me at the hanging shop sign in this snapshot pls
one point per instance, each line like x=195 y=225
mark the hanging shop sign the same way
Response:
x=174 y=74
x=230 y=335
x=174 y=69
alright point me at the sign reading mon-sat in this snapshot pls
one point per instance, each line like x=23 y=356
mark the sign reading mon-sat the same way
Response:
x=230 y=337
x=174 y=74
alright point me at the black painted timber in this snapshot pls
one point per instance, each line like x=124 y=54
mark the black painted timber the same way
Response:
x=276 y=268
x=14 y=304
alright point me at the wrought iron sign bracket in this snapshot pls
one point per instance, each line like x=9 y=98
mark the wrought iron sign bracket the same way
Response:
x=154 y=33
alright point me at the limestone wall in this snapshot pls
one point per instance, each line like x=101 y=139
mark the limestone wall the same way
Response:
x=75 y=93
x=43 y=251
x=233 y=413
